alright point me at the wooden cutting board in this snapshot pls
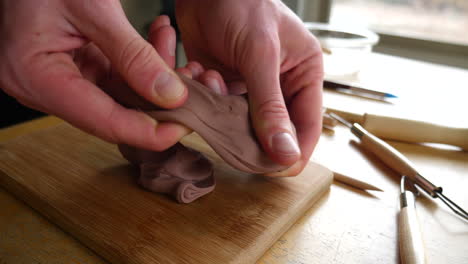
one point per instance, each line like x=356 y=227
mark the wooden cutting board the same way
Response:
x=83 y=184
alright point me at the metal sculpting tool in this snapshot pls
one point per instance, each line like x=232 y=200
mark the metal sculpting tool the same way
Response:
x=398 y=162
x=409 y=232
x=359 y=91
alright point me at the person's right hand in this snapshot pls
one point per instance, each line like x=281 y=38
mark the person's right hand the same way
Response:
x=264 y=48
x=53 y=55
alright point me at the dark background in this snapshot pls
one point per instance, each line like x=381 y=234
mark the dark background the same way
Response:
x=13 y=112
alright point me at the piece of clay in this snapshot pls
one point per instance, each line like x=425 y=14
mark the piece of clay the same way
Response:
x=180 y=172
x=221 y=120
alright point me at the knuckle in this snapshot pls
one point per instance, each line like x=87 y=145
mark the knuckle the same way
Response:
x=112 y=132
x=260 y=47
x=135 y=56
x=265 y=42
x=273 y=109
x=119 y=132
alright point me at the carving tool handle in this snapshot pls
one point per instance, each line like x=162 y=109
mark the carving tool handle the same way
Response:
x=393 y=158
x=408 y=130
x=409 y=233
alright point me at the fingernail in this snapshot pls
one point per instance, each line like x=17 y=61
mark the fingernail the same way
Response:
x=168 y=87
x=214 y=85
x=284 y=143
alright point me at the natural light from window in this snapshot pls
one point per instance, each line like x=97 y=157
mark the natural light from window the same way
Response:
x=440 y=20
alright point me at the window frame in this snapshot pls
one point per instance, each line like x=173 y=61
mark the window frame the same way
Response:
x=452 y=54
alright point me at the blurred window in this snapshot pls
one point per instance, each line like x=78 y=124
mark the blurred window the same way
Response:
x=439 y=20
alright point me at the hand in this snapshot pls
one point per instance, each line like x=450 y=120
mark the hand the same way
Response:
x=54 y=54
x=161 y=36
x=261 y=46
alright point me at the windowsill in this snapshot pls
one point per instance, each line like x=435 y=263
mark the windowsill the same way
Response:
x=423 y=49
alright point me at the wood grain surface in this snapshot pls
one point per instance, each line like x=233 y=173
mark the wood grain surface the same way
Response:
x=83 y=185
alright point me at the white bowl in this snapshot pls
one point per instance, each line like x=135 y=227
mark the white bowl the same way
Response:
x=345 y=48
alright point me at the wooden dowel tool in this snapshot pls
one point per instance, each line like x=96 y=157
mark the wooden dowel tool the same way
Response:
x=407 y=130
x=409 y=232
x=354 y=182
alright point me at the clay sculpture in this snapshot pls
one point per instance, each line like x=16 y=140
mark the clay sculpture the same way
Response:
x=221 y=120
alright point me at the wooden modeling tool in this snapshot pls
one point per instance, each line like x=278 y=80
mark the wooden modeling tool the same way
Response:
x=395 y=160
x=328 y=122
x=409 y=233
x=407 y=130
x=355 y=182
x=326 y=51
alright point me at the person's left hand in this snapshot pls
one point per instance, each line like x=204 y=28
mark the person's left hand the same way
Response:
x=161 y=37
x=262 y=47
x=55 y=54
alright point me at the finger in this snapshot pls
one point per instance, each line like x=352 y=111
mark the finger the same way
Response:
x=163 y=38
x=294 y=170
x=196 y=69
x=160 y=21
x=185 y=72
x=237 y=88
x=214 y=81
x=171 y=133
x=68 y=95
x=305 y=82
x=92 y=63
x=268 y=110
x=307 y=118
x=105 y=23
x=32 y=105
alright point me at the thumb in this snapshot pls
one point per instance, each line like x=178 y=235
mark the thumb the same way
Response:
x=105 y=24
x=267 y=106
